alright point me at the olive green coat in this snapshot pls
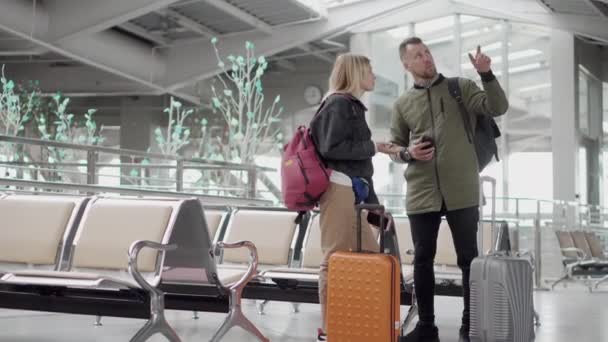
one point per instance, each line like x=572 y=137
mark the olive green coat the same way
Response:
x=452 y=176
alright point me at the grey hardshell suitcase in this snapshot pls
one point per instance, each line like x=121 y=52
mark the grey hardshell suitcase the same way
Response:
x=502 y=308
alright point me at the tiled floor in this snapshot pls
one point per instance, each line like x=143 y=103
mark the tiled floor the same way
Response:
x=567 y=315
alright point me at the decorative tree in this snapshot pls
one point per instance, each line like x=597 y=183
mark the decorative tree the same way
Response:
x=240 y=101
x=178 y=135
x=14 y=114
x=67 y=130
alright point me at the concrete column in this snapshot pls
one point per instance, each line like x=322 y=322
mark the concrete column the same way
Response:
x=563 y=123
x=458 y=44
x=504 y=139
x=139 y=117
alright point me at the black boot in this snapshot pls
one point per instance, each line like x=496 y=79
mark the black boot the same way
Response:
x=464 y=334
x=423 y=332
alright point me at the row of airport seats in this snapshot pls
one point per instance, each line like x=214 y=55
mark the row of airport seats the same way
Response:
x=584 y=258
x=130 y=257
x=113 y=257
x=290 y=254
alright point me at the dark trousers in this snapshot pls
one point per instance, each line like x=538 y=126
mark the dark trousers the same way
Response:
x=425 y=228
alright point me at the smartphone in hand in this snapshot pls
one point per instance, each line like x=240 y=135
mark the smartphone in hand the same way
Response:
x=427 y=139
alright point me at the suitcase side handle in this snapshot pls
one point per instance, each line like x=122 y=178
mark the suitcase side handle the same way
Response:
x=378 y=209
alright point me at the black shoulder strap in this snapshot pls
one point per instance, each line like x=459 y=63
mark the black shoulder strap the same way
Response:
x=454 y=89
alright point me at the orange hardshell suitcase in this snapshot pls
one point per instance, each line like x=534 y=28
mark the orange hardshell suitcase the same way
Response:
x=363 y=292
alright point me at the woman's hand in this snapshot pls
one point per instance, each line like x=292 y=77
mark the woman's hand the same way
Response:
x=388 y=148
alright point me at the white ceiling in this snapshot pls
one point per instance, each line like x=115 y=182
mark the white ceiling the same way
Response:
x=118 y=47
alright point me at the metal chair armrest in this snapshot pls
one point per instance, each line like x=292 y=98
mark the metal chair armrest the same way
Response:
x=579 y=252
x=134 y=250
x=253 y=266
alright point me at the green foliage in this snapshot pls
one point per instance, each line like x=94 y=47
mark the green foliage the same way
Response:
x=177 y=135
x=15 y=111
x=240 y=100
x=60 y=125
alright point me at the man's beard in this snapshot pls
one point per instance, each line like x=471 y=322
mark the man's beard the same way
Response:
x=428 y=74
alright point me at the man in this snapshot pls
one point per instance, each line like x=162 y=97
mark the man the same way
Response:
x=442 y=174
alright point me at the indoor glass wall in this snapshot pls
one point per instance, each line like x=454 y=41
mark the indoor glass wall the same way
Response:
x=520 y=59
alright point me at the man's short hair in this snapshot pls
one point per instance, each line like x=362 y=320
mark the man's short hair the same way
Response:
x=405 y=43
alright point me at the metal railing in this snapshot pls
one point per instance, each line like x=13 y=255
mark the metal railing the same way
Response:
x=123 y=168
x=534 y=222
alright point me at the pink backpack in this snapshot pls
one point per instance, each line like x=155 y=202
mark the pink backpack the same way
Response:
x=304 y=175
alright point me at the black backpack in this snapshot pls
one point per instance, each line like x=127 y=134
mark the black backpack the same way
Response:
x=486 y=130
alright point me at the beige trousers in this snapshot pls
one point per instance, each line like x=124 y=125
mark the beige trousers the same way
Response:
x=339 y=233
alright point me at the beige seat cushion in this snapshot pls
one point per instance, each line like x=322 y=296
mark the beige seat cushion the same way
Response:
x=214 y=219
x=312 y=253
x=446 y=253
x=230 y=276
x=270 y=231
x=110 y=226
x=33 y=227
x=404 y=238
x=294 y=275
x=114 y=280
x=565 y=241
x=580 y=242
x=597 y=251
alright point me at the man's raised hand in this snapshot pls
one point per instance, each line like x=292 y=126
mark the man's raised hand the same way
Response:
x=480 y=61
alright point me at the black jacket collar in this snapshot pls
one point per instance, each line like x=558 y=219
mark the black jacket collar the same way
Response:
x=351 y=98
x=437 y=81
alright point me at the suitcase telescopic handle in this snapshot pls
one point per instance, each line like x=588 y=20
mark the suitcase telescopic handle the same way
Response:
x=377 y=208
x=492 y=182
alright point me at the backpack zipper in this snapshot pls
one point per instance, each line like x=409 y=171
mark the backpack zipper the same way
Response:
x=434 y=133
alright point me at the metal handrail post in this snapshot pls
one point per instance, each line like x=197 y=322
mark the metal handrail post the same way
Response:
x=538 y=251
x=91 y=167
x=179 y=175
x=252 y=178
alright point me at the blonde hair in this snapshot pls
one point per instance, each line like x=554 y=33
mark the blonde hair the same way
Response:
x=348 y=72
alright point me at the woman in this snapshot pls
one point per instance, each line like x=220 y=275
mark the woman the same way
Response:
x=343 y=141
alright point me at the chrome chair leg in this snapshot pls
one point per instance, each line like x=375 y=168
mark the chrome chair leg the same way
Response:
x=236 y=318
x=597 y=284
x=560 y=280
x=157 y=324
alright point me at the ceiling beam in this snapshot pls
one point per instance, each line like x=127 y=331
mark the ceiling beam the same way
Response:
x=595 y=8
x=190 y=24
x=241 y=15
x=418 y=11
x=324 y=56
x=77 y=18
x=136 y=61
x=286 y=64
x=142 y=32
x=189 y=63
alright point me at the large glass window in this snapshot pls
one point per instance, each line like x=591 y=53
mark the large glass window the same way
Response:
x=520 y=59
x=526 y=168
